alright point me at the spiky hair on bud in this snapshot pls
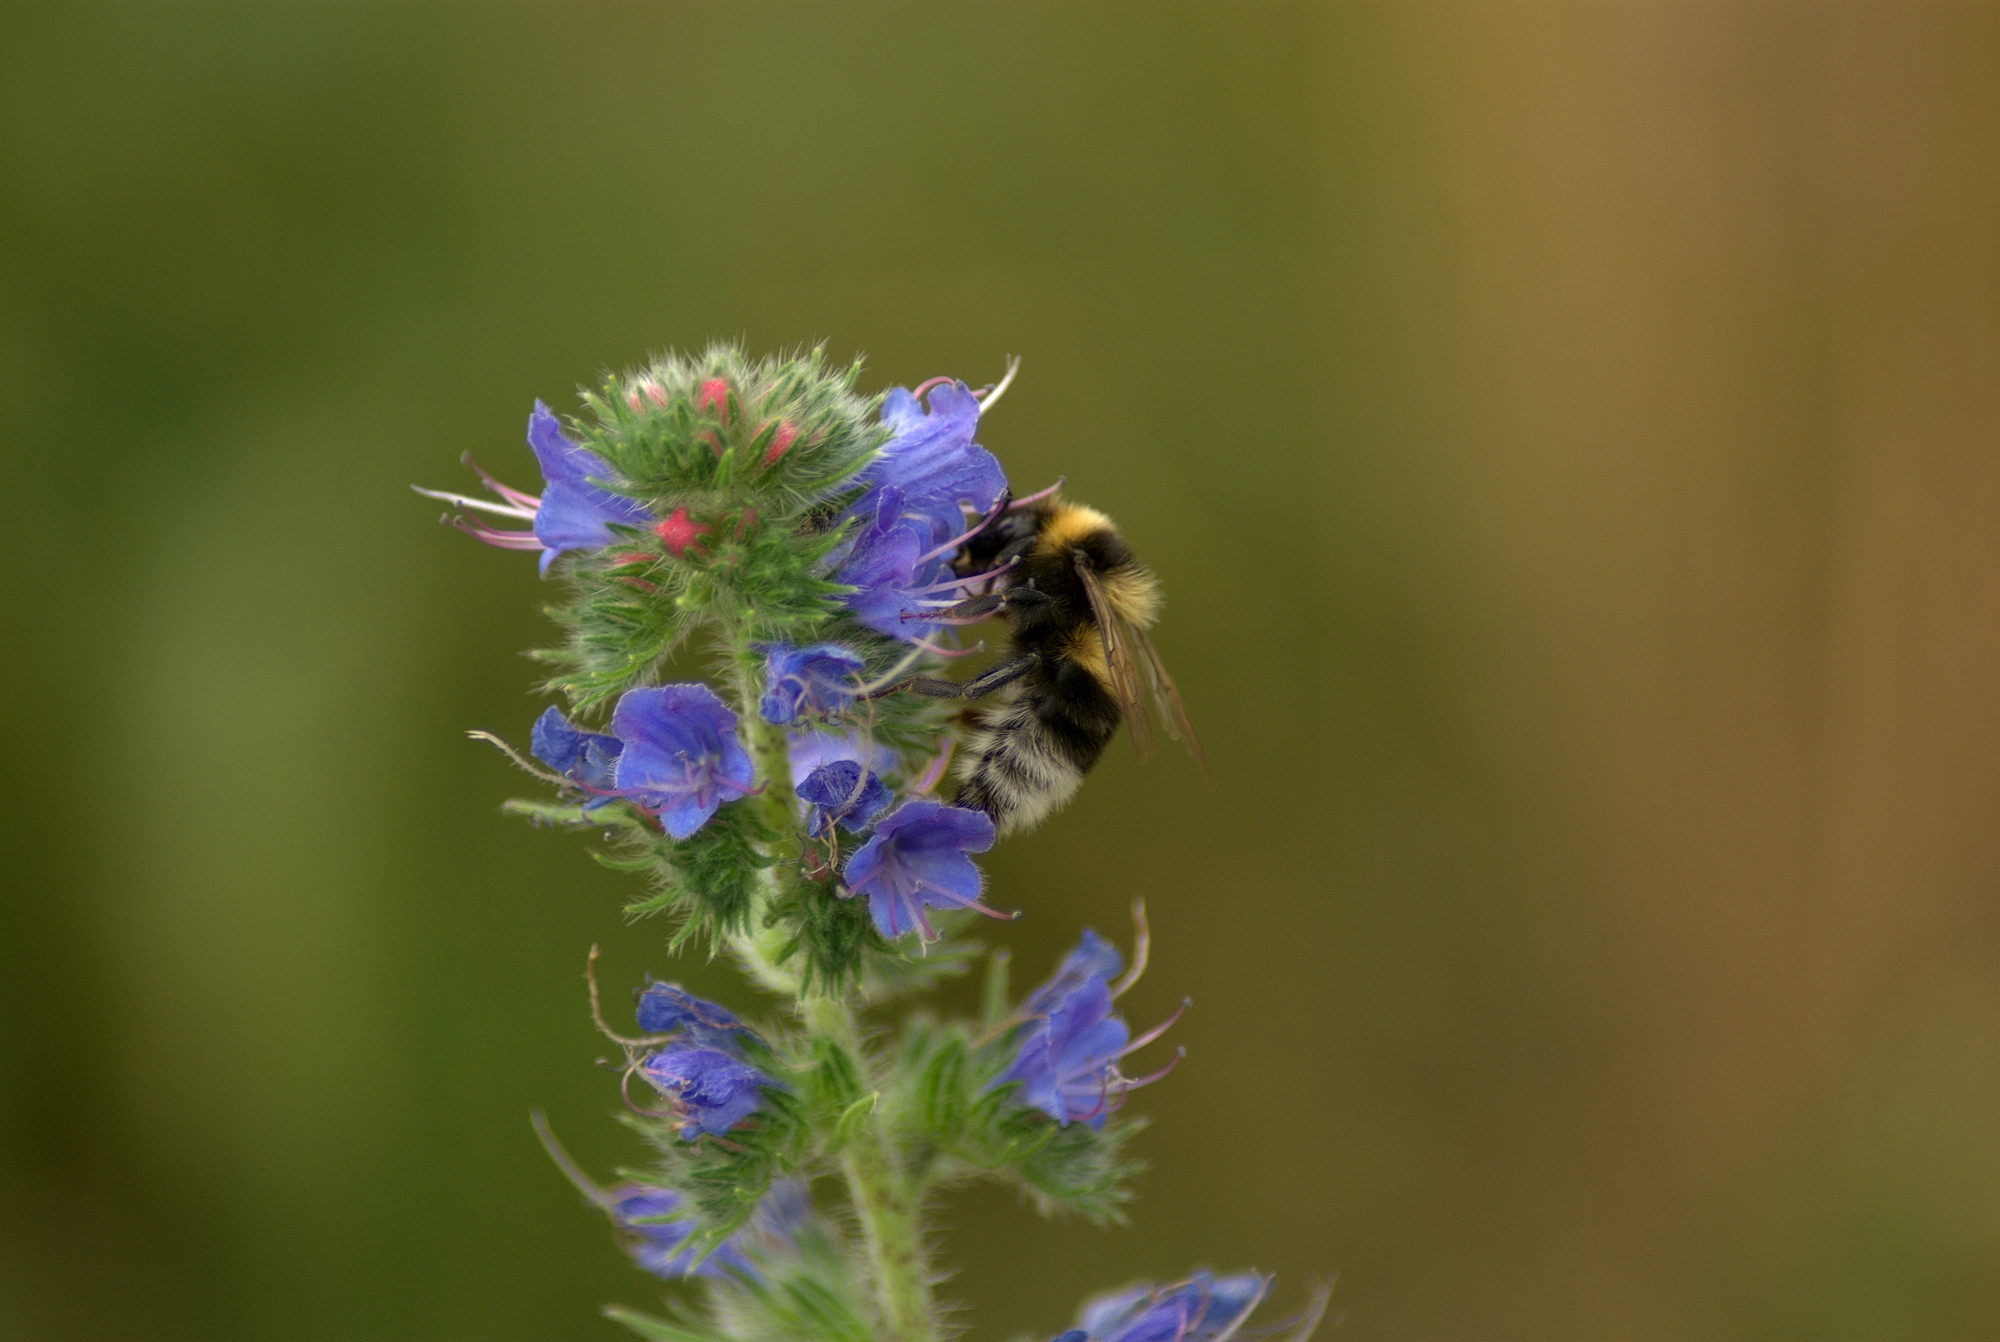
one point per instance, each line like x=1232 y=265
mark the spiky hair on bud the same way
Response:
x=717 y=431
x=740 y=467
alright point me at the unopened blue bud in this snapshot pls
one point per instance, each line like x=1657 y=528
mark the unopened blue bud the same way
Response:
x=819 y=680
x=653 y=1231
x=667 y=1008
x=711 y=1090
x=1200 y=1309
x=843 y=793
x=587 y=758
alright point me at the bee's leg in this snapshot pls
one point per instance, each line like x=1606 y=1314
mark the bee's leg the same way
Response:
x=1004 y=674
x=937 y=687
x=1014 y=551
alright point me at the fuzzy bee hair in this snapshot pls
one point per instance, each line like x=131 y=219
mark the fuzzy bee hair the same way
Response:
x=1078 y=605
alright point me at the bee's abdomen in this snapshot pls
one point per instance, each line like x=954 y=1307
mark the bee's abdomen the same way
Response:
x=1020 y=764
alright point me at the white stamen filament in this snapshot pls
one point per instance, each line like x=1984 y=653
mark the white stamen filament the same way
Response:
x=1013 y=367
x=484 y=505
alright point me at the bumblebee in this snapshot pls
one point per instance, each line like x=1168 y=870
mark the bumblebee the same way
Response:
x=1078 y=605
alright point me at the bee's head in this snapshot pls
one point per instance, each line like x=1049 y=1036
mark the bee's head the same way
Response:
x=1005 y=532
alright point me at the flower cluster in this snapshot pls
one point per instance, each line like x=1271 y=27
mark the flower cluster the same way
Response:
x=575 y=510
x=816 y=542
x=912 y=514
x=701 y=1071
x=655 y=1227
x=1070 y=1042
x=844 y=793
x=672 y=751
x=820 y=681
x=1203 y=1308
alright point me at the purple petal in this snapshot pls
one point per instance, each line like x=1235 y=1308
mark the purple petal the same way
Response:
x=809 y=750
x=574 y=514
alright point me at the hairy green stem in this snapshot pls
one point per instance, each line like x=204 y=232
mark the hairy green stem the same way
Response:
x=758 y=950
x=884 y=1204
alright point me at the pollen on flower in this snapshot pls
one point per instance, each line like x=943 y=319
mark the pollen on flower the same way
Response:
x=713 y=397
x=679 y=532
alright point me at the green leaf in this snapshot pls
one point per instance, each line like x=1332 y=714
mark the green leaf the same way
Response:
x=851 y=1117
x=657 y=1330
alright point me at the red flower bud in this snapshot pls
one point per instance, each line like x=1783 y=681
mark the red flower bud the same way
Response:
x=679 y=532
x=713 y=396
x=786 y=435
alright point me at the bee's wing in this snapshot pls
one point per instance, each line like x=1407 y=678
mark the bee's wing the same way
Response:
x=1167 y=699
x=1118 y=639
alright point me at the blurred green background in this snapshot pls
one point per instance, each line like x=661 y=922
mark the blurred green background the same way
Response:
x=1567 y=436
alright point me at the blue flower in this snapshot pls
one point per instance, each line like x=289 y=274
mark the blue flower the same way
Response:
x=1066 y=1062
x=653 y=1232
x=681 y=755
x=1093 y=956
x=917 y=858
x=588 y=758
x=933 y=462
x=1200 y=1309
x=785 y=1210
x=574 y=514
x=819 y=679
x=809 y=750
x=890 y=563
x=711 y=1091
x=843 y=793
x=667 y=1008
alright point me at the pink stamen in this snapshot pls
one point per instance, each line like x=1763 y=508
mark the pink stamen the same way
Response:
x=506 y=492
x=950 y=583
x=504 y=540
x=934 y=771
x=1133 y=1083
x=929 y=617
x=937 y=651
x=923 y=389
x=965 y=903
x=1157 y=1030
x=961 y=538
x=1038 y=496
x=1103 y=1100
